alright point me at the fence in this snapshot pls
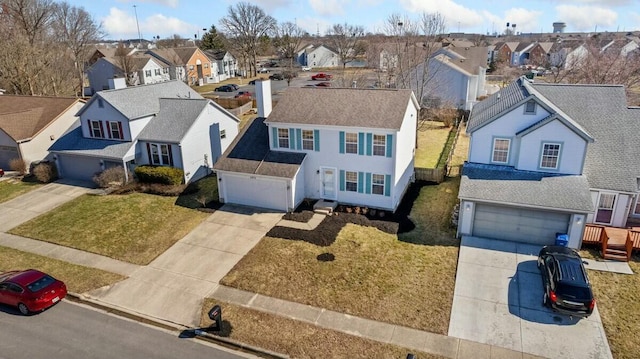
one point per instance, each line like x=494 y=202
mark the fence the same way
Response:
x=438 y=174
x=237 y=106
x=430 y=174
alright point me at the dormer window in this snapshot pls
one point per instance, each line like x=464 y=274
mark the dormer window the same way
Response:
x=95 y=129
x=530 y=107
x=115 y=130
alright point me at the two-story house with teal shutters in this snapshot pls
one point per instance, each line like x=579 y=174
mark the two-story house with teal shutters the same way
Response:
x=352 y=146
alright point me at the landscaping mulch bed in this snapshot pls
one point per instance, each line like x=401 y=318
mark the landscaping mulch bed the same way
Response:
x=303 y=213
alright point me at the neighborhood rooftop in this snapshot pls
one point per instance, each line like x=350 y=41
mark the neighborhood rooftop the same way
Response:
x=175 y=118
x=22 y=117
x=362 y=108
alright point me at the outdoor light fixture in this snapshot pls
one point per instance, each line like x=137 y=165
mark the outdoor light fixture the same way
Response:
x=467 y=206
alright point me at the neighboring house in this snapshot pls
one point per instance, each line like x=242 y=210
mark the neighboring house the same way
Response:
x=187 y=64
x=567 y=53
x=352 y=146
x=502 y=51
x=137 y=69
x=548 y=158
x=30 y=124
x=226 y=65
x=456 y=77
x=165 y=124
x=520 y=55
x=319 y=56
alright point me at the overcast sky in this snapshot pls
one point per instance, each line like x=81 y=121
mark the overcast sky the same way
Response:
x=188 y=17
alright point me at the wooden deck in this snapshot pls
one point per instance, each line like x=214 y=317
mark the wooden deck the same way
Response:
x=616 y=243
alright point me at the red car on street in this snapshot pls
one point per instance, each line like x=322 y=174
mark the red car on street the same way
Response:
x=30 y=290
x=243 y=94
x=321 y=76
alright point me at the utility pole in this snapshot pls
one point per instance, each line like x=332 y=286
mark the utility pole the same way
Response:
x=135 y=10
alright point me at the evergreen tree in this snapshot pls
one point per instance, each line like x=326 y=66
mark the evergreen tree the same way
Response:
x=213 y=40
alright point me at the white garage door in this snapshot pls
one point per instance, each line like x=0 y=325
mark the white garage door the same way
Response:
x=79 y=168
x=519 y=225
x=7 y=153
x=256 y=192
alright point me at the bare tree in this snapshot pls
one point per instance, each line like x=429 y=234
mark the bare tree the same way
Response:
x=245 y=24
x=33 y=17
x=287 y=42
x=126 y=63
x=347 y=41
x=172 y=41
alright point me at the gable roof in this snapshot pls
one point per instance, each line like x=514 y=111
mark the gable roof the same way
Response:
x=139 y=101
x=469 y=59
x=487 y=110
x=167 y=55
x=249 y=153
x=361 y=108
x=74 y=143
x=23 y=117
x=174 y=119
x=185 y=53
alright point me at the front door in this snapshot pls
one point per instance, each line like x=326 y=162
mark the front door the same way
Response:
x=604 y=212
x=328 y=183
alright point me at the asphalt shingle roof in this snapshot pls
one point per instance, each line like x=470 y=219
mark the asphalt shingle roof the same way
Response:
x=175 y=118
x=501 y=101
x=73 y=143
x=363 y=108
x=22 y=117
x=504 y=184
x=249 y=153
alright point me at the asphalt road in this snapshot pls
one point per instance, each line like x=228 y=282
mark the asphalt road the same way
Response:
x=71 y=331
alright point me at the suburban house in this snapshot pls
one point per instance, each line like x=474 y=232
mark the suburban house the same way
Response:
x=318 y=56
x=456 y=77
x=163 y=124
x=567 y=53
x=136 y=69
x=224 y=64
x=502 y=51
x=548 y=158
x=194 y=63
x=347 y=145
x=30 y=124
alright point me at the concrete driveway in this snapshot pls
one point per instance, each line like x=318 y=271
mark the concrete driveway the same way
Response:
x=172 y=287
x=498 y=301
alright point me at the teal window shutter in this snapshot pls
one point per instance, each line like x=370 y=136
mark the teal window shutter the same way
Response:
x=360 y=182
x=292 y=136
x=387 y=185
x=342 y=180
x=274 y=137
x=361 y=143
x=367 y=189
x=298 y=139
x=389 y=145
x=316 y=140
x=341 y=141
x=369 y=144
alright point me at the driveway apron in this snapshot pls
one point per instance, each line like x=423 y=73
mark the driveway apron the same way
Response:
x=498 y=301
x=172 y=286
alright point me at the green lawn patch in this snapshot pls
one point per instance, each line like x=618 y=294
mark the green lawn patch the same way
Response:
x=79 y=279
x=432 y=137
x=135 y=228
x=11 y=189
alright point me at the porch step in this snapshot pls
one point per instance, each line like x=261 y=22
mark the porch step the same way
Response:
x=325 y=207
x=616 y=254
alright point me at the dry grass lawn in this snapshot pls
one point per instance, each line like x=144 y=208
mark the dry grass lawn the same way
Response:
x=78 y=279
x=10 y=189
x=297 y=339
x=432 y=137
x=406 y=280
x=618 y=298
x=461 y=152
x=135 y=228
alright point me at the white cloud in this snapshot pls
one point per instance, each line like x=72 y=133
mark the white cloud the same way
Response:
x=159 y=24
x=455 y=14
x=586 y=18
x=269 y=5
x=169 y=3
x=525 y=20
x=121 y=24
x=327 y=7
x=597 y=2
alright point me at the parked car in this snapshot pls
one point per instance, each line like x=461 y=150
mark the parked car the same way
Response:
x=306 y=68
x=263 y=70
x=324 y=84
x=225 y=88
x=321 y=76
x=30 y=290
x=276 y=77
x=234 y=87
x=566 y=285
x=243 y=94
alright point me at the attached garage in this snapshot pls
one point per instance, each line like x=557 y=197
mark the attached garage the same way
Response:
x=7 y=153
x=518 y=224
x=77 y=167
x=256 y=191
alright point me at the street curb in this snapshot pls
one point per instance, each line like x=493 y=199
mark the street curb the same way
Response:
x=198 y=333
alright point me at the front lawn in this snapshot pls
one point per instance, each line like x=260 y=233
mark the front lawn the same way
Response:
x=406 y=279
x=10 y=189
x=298 y=339
x=78 y=279
x=432 y=137
x=135 y=228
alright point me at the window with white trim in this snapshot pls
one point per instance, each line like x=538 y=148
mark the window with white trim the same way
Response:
x=283 y=138
x=206 y=65
x=351 y=181
x=377 y=184
x=351 y=142
x=550 y=155
x=530 y=107
x=96 y=129
x=147 y=73
x=501 y=150
x=307 y=140
x=379 y=145
x=156 y=72
x=160 y=154
x=114 y=129
x=165 y=70
x=604 y=213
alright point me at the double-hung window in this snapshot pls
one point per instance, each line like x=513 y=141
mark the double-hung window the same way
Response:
x=307 y=140
x=500 y=150
x=351 y=181
x=156 y=72
x=351 y=142
x=550 y=155
x=283 y=138
x=147 y=73
x=115 y=129
x=379 y=145
x=160 y=154
x=95 y=127
x=377 y=184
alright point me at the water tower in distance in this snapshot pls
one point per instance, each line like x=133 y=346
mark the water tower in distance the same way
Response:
x=558 y=27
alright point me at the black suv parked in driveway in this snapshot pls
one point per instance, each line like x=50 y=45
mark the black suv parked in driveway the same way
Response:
x=566 y=285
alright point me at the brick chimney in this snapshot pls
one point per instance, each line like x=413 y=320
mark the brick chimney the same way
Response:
x=263 y=97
